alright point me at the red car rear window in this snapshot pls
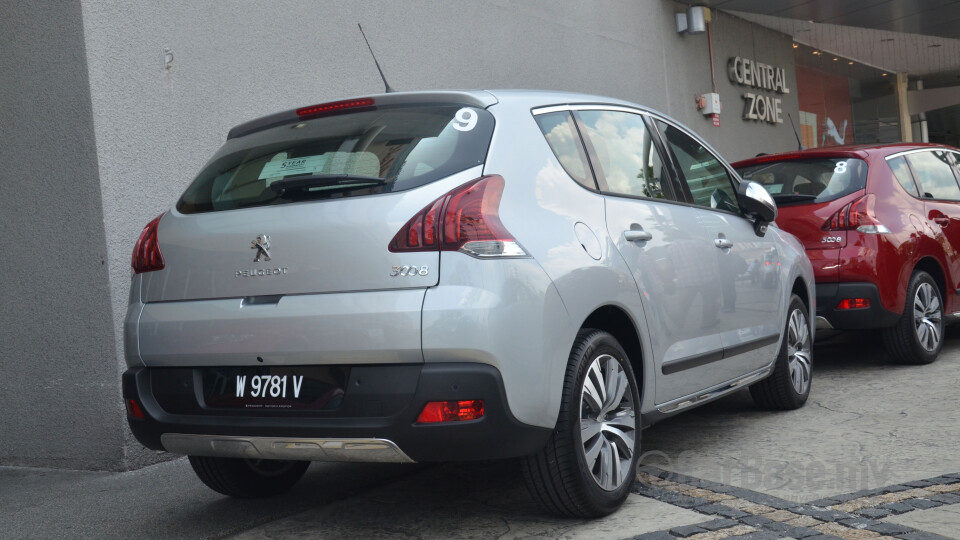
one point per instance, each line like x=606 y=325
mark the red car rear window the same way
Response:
x=808 y=181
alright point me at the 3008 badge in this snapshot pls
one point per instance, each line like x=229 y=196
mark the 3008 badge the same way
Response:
x=404 y=271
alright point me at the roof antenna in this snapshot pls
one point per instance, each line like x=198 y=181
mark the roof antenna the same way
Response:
x=795 y=134
x=385 y=83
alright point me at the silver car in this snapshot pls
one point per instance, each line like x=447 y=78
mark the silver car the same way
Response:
x=437 y=276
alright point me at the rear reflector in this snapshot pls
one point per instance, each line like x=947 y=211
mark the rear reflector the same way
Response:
x=146 y=253
x=854 y=303
x=335 y=106
x=134 y=410
x=467 y=219
x=451 y=411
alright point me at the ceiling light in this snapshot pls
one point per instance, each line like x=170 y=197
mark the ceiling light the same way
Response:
x=850 y=62
x=835 y=59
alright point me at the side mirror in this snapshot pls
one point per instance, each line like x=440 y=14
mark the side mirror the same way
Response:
x=757 y=204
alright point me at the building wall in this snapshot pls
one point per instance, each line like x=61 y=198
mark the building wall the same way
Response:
x=59 y=392
x=155 y=125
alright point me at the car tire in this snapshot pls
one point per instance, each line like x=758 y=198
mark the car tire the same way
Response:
x=248 y=478
x=918 y=336
x=590 y=478
x=788 y=387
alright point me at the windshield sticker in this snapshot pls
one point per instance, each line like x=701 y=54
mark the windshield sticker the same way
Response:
x=773 y=188
x=465 y=120
x=290 y=167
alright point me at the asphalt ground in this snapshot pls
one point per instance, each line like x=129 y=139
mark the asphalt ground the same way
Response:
x=874 y=454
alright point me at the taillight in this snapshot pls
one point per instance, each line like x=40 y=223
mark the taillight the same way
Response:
x=466 y=219
x=451 y=411
x=146 y=254
x=857 y=215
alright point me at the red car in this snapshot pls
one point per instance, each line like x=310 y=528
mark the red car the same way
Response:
x=881 y=225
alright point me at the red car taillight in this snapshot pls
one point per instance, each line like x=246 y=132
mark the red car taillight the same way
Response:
x=466 y=219
x=146 y=254
x=857 y=215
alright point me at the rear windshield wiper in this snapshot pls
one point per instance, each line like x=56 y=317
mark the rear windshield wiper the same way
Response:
x=792 y=198
x=299 y=183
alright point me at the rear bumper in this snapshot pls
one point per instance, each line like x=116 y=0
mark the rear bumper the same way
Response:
x=875 y=316
x=376 y=420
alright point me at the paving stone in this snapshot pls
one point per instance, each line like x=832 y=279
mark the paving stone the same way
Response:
x=830 y=501
x=707 y=494
x=720 y=509
x=717 y=524
x=946 y=498
x=724 y=533
x=780 y=515
x=739 y=504
x=922 y=504
x=778 y=526
x=760 y=535
x=687 y=530
x=919 y=483
x=824 y=537
x=875 y=513
x=945 y=480
x=895 y=488
x=839 y=530
x=755 y=521
x=823 y=514
x=648 y=490
x=683 y=501
x=659 y=535
x=859 y=522
x=897 y=508
x=919 y=535
x=953 y=475
x=802 y=532
x=889 y=528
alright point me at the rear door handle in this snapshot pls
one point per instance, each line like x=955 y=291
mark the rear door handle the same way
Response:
x=634 y=235
x=722 y=243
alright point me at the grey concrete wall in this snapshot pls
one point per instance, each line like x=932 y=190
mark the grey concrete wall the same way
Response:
x=59 y=392
x=154 y=127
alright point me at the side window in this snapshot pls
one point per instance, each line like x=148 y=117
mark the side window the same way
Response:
x=707 y=179
x=626 y=157
x=935 y=175
x=903 y=174
x=564 y=140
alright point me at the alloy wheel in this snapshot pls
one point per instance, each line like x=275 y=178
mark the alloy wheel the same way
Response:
x=798 y=351
x=607 y=422
x=927 y=317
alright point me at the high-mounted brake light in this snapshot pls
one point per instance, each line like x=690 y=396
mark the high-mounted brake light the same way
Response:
x=467 y=219
x=857 y=215
x=335 y=106
x=451 y=411
x=777 y=157
x=146 y=253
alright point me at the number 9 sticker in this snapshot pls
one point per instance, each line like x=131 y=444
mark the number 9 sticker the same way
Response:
x=465 y=119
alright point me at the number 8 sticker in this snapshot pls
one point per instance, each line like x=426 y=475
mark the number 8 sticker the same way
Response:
x=840 y=168
x=465 y=120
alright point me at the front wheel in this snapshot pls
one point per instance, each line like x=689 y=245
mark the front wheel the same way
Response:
x=918 y=336
x=248 y=478
x=788 y=386
x=589 y=464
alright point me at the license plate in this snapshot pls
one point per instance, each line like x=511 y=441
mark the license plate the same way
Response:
x=307 y=387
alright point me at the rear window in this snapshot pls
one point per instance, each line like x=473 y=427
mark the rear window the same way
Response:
x=808 y=181
x=344 y=155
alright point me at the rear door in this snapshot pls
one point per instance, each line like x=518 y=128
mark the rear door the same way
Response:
x=748 y=325
x=934 y=174
x=662 y=243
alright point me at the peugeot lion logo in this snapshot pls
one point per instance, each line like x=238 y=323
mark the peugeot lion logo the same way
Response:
x=262 y=245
